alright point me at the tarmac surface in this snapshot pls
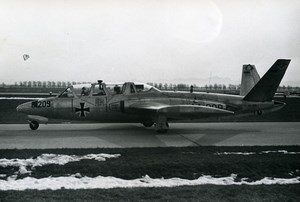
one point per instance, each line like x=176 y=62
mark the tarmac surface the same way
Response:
x=135 y=135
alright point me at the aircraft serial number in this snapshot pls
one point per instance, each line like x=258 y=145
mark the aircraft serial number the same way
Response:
x=40 y=104
x=215 y=106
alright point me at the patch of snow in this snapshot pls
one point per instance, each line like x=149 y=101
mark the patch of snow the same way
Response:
x=78 y=175
x=279 y=151
x=251 y=153
x=235 y=153
x=3 y=175
x=45 y=159
x=23 y=170
x=100 y=182
x=11 y=178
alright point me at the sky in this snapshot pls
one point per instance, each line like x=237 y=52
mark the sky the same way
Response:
x=167 y=41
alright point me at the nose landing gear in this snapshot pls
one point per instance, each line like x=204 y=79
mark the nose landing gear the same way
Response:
x=33 y=125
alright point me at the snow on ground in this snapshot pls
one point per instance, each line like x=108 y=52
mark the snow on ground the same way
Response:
x=45 y=159
x=100 y=182
x=280 y=151
x=235 y=153
x=250 y=153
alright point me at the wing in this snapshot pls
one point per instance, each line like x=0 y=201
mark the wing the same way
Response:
x=176 y=111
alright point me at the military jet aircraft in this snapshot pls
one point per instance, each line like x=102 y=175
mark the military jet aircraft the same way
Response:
x=140 y=103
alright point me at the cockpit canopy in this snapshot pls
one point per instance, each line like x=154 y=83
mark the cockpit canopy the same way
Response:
x=101 y=89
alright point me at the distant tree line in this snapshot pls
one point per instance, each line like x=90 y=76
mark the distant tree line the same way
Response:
x=182 y=86
x=215 y=87
x=161 y=86
x=41 y=84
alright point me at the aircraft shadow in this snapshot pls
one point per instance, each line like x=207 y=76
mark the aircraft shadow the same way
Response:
x=207 y=136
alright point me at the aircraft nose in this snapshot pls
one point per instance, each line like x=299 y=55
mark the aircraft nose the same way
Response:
x=23 y=108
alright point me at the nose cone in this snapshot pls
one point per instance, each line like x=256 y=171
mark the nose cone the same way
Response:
x=24 y=108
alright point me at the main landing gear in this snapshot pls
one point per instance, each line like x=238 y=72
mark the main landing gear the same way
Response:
x=162 y=127
x=33 y=125
x=161 y=124
x=148 y=124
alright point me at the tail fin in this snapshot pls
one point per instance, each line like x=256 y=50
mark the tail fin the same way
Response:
x=266 y=87
x=250 y=77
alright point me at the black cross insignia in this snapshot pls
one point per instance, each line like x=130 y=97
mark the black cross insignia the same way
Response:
x=82 y=110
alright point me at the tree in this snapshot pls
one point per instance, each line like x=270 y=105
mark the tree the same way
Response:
x=232 y=87
x=215 y=86
x=174 y=87
x=182 y=86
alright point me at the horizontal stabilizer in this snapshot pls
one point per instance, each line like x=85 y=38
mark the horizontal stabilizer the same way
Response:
x=266 y=87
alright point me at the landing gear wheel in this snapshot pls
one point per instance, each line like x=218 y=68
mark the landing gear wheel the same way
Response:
x=33 y=125
x=162 y=127
x=148 y=124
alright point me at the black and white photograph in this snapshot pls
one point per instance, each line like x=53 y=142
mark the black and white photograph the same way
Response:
x=150 y=100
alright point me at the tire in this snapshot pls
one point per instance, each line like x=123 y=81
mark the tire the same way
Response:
x=148 y=124
x=34 y=125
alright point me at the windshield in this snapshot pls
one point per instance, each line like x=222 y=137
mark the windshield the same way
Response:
x=79 y=90
x=114 y=89
x=67 y=93
x=142 y=87
x=118 y=88
x=99 y=89
x=82 y=89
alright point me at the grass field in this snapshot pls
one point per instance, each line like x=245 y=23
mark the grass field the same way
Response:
x=186 y=163
x=204 y=193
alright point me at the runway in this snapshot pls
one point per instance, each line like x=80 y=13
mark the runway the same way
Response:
x=135 y=135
